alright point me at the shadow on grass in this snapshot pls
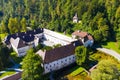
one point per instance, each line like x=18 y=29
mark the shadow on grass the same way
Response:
x=60 y=74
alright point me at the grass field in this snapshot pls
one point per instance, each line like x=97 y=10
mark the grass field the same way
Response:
x=78 y=74
x=3 y=36
x=7 y=74
x=113 y=45
x=77 y=71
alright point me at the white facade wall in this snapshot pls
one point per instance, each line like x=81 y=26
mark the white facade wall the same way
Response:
x=58 y=64
x=22 y=51
x=14 y=48
x=58 y=35
x=39 y=35
x=75 y=20
x=36 y=41
x=55 y=40
x=14 y=42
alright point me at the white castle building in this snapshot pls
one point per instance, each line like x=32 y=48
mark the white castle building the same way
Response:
x=53 y=59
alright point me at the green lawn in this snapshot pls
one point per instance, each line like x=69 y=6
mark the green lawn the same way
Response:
x=113 y=45
x=7 y=73
x=78 y=74
x=3 y=36
x=77 y=71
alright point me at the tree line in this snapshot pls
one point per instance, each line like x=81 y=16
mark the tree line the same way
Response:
x=98 y=17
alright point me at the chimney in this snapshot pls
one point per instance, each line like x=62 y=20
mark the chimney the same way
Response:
x=16 y=34
x=74 y=44
x=78 y=30
x=30 y=35
x=34 y=30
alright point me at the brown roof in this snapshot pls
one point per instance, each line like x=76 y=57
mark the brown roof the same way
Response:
x=59 y=53
x=21 y=44
x=80 y=33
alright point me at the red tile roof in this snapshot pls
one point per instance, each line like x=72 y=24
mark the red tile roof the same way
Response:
x=83 y=34
x=80 y=34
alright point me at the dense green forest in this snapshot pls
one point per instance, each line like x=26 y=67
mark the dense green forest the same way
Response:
x=101 y=18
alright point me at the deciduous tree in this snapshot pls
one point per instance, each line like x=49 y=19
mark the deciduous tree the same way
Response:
x=32 y=66
x=106 y=70
x=80 y=53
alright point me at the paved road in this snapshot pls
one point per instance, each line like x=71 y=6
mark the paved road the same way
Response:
x=110 y=52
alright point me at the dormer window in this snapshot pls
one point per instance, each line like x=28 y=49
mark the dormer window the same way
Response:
x=24 y=42
x=16 y=34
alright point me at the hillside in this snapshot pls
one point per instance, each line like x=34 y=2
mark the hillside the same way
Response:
x=98 y=17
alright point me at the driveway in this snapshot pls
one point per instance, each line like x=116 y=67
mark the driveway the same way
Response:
x=110 y=52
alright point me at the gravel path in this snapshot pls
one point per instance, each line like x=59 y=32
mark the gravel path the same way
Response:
x=110 y=52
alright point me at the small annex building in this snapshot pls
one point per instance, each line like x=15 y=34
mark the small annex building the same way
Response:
x=85 y=37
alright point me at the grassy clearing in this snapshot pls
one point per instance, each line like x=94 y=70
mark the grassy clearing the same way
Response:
x=98 y=56
x=113 y=45
x=77 y=71
x=3 y=36
x=78 y=74
x=7 y=73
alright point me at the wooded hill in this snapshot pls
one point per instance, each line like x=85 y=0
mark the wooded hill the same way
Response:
x=101 y=18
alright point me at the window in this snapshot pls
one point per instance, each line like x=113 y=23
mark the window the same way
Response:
x=46 y=67
x=69 y=58
x=73 y=57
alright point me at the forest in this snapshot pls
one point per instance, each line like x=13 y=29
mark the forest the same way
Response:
x=101 y=18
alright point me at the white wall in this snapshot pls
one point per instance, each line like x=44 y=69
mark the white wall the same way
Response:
x=22 y=51
x=75 y=20
x=39 y=35
x=14 y=41
x=58 y=64
x=58 y=35
x=14 y=48
x=55 y=39
x=36 y=41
